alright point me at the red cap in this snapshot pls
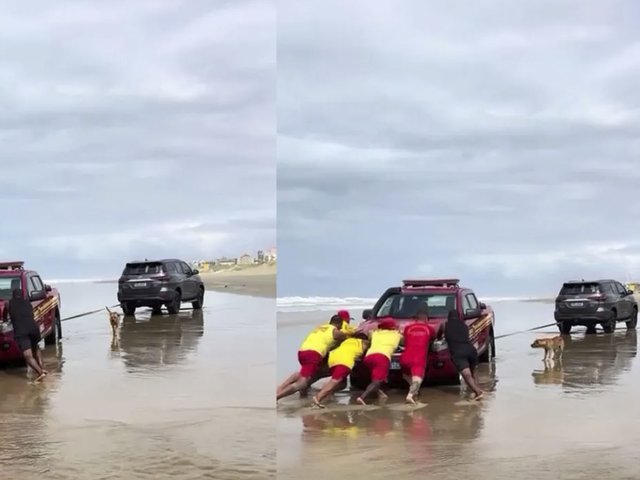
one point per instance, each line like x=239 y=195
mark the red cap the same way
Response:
x=387 y=324
x=344 y=314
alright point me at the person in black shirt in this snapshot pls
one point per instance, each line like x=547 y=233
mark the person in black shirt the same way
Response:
x=26 y=332
x=463 y=354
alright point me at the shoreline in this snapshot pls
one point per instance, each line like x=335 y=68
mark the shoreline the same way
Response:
x=253 y=285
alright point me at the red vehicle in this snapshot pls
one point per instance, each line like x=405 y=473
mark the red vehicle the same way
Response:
x=441 y=295
x=44 y=299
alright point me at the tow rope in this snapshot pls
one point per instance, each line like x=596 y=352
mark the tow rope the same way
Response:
x=117 y=305
x=525 y=331
x=87 y=313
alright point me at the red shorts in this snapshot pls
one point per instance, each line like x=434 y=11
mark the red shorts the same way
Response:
x=339 y=372
x=310 y=362
x=413 y=365
x=379 y=365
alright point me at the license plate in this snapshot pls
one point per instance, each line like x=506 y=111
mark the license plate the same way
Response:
x=395 y=365
x=577 y=304
x=140 y=284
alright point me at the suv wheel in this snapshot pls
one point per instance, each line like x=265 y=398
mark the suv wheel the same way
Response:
x=197 y=305
x=174 y=307
x=633 y=320
x=610 y=326
x=128 y=309
x=564 y=327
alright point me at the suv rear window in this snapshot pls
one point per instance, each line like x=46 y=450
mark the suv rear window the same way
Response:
x=143 y=268
x=586 y=288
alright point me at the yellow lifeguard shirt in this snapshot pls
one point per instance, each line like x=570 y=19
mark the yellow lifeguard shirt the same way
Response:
x=347 y=328
x=319 y=340
x=347 y=353
x=385 y=342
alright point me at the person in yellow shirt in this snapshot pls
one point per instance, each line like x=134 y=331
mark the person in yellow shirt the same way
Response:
x=346 y=321
x=384 y=342
x=311 y=355
x=341 y=360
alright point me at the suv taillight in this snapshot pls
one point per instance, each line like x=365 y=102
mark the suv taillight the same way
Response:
x=599 y=297
x=164 y=277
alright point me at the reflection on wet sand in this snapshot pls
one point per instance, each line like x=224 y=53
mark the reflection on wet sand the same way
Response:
x=591 y=362
x=159 y=340
x=407 y=440
x=155 y=405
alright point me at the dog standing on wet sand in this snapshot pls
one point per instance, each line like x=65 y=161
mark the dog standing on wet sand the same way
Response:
x=553 y=347
x=114 y=321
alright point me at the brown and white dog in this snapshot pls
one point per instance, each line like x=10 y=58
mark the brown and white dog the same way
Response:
x=553 y=346
x=114 y=321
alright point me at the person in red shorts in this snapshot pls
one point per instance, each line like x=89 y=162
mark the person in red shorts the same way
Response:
x=311 y=355
x=341 y=360
x=417 y=337
x=384 y=342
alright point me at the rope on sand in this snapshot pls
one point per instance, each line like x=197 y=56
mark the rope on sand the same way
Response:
x=525 y=331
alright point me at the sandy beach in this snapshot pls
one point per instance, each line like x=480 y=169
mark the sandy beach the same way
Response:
x=257 y=280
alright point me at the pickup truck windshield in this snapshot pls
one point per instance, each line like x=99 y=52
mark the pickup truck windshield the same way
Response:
x=7 y=284
x=405 y=305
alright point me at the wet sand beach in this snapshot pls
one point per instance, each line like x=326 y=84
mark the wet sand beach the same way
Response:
x=185 y=396
x=571 y=421
x=258 y=281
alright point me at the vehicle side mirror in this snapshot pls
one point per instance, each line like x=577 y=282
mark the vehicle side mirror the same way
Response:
x=483 y=306
x=629 y=292
x=471 y=313
x=37 y=295
x=367 y=314
x=195 y=271
x=47 y=287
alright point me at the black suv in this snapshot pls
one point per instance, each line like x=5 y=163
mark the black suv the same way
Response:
x=588 y=303
x=160 y=282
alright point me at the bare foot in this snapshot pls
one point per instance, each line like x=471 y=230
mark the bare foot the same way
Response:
x=361 y=401
x=410 y=399
x=316 y=403
x=40 y=378
x=479 y=396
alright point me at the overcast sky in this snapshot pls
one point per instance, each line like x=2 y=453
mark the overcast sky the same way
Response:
x=135 y=129
x=495 y=141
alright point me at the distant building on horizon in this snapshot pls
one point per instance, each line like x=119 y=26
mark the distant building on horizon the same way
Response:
x=245 y=259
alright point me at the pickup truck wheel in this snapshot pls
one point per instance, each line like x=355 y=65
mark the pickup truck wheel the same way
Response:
x=489 y=352
x=199 y=302
x=174 y=307
x=633 y=320
x=56 y=332
x=564 y=327
x=610 y=326
x=128 y=309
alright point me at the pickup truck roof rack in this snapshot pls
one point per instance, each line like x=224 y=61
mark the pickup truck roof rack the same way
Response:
x=437 y=282
x=11 y=265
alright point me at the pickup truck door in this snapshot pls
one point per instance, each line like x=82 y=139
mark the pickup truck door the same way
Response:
x=37 y=295
x=469 y=301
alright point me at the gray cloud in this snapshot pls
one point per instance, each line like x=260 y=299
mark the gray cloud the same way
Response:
x=136 y=129
x=497 y=141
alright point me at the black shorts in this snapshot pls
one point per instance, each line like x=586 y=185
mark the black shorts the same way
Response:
x=28 y=341
x=467 y=358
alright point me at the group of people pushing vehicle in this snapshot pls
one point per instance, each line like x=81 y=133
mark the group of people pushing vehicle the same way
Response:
x=342 y=345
